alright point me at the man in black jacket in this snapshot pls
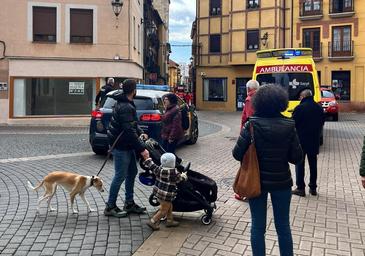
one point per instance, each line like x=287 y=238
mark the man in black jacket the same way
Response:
x=309 y=121
x=104 y=91
x=124 y=119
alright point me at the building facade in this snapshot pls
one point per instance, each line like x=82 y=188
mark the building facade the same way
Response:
x=57 y=54
x=174 y=75
x=227 y=34
x=332 y=29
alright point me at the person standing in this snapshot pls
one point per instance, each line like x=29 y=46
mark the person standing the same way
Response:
x=277 y=145
x=309 y=120
x=104 y=91
x=172 y=130
x=251 y=87
x=362 y=165
x=124 y=119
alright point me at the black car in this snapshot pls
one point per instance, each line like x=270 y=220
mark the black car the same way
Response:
x=149 y=107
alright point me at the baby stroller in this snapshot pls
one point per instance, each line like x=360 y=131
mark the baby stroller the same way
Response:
x=199 y=192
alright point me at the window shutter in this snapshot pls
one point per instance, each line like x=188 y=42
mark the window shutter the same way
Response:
x=44 y=23
x=81 y=25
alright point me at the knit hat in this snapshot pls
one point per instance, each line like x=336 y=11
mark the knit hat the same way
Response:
x=128 y=86
x=168 y=160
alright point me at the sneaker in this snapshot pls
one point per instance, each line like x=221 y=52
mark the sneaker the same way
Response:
x=115 y=212
x=172 y=223
x=153 y=226
x=299 y=192
x=313 y=192
x=238 y=197
x=132 y=207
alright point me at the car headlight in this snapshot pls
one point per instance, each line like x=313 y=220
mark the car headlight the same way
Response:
x=332 y=103
x=99 y=126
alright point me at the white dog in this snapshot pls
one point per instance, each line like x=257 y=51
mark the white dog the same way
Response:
x=72 y=182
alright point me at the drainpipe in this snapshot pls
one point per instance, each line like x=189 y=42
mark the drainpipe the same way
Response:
x=292 y=23
x=284 y=22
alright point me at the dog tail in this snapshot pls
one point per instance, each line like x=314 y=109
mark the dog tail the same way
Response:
x=35 y=188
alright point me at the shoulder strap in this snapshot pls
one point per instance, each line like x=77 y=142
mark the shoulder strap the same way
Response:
x=251 y=133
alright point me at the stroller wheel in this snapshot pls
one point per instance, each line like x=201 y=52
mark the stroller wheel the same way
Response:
x=153 y=200
x=206 y=219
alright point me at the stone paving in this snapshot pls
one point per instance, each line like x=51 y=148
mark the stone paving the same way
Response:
x=332 y=223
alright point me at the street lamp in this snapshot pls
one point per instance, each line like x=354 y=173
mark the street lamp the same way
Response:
x=264 y=39
x=117 y=8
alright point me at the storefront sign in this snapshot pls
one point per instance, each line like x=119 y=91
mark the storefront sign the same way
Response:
x=3 y=86
x=76 y=88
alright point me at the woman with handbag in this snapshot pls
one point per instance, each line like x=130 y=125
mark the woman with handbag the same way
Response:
x=277 y=145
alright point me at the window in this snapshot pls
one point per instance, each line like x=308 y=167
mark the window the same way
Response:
x=44 y=24
x=53 y=96
x=341 y=40
x=293 y=83
x=311 y=39
x=252 y=4
x=139 y=38
x=215 y=89
x=81 y=26
x=341 y=6
x=215 y=43
x=134 y=32
x=311 y=7
x=215 y=7
x=253 y=40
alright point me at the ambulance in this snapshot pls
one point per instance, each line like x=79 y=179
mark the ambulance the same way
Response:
x=292 y=68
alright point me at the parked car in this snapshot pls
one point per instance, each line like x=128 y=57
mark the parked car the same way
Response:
x=149 y=107
x=329 y=104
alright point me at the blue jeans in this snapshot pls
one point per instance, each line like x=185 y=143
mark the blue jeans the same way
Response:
x=280 y=200
x=125 y=169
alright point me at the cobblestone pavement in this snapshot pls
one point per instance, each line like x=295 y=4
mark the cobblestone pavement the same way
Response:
x=332 y=223
x=29 y=153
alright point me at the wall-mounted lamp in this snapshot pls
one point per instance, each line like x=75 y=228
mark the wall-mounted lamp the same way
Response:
x=117 y=8
x=264 y=39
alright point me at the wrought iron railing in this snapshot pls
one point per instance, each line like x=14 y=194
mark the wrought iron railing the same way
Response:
x=341 y=48
x=341 y=6
x=311 y=8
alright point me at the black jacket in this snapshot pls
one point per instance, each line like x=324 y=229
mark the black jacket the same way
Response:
x=277 y=145
x=103 y=92
x=309 y=120
x=125 y=119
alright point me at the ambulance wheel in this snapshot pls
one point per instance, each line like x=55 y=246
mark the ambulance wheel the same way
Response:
x=206 y=219
x=153 y=200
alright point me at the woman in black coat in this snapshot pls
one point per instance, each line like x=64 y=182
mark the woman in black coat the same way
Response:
x=277 y=145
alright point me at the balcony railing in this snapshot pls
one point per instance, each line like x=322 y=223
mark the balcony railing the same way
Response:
x=341 y=8
x=341 y=50
x=311 y=10
x=316 y=51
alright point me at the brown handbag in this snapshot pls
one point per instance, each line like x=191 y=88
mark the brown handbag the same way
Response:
x=247 y=182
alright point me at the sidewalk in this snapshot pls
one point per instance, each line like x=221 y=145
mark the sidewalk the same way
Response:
x=332 y=223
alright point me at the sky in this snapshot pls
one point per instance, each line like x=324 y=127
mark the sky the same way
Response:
x=182 y=15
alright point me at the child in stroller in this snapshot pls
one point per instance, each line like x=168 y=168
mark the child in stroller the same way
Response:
x=165 y=188
x=199 y=192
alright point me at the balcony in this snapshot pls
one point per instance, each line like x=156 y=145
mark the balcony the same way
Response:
x=312 y=10
x=316 y=51
x=341 y=50
x=341 y=8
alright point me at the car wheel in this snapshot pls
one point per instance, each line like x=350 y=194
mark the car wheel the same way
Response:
x=100 y=151
x=194 y=134
x=335 y=117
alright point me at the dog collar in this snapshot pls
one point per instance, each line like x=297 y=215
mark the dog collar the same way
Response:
x=92 y=181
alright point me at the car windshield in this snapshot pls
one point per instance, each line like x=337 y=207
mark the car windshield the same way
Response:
x=327 y=94
x=294 y=83
x=141 y=103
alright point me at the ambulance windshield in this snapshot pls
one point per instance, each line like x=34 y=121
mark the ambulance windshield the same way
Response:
x=294 y=83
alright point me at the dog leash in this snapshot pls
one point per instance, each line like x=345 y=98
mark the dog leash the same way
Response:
x=110 y=152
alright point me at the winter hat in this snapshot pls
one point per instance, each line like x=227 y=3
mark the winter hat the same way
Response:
x=128 y=86
x=168 y=160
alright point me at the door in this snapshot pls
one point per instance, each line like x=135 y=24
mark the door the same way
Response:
x=341 y=84
x=341 y=41
x=311 y=39
x=241 y=92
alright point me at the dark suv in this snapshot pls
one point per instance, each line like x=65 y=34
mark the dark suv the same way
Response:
x=149 y=110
